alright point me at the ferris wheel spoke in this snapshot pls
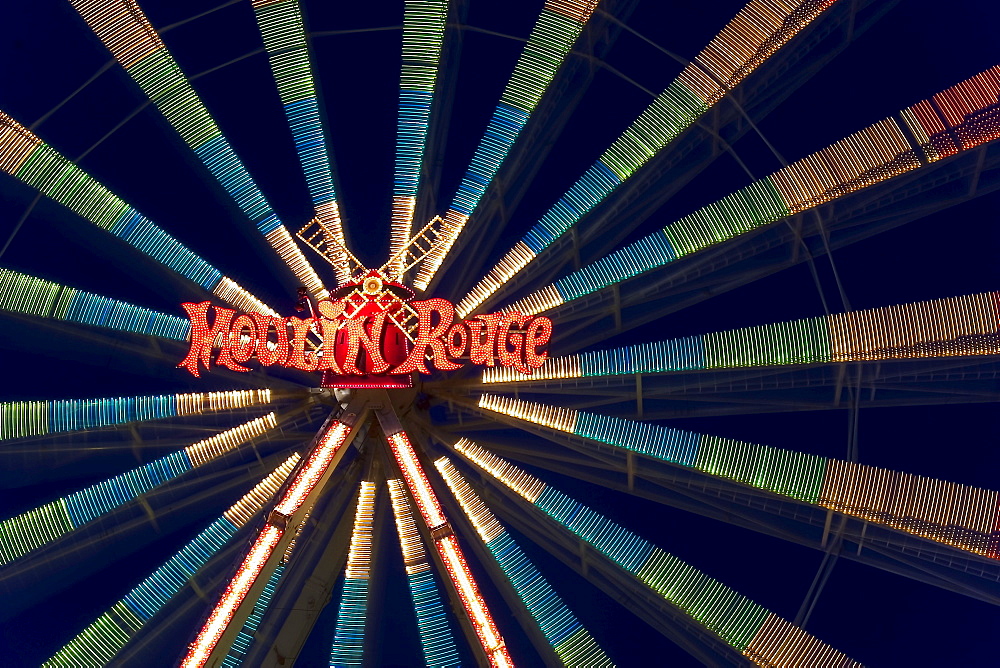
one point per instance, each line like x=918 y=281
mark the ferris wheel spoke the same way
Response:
x=742 y=46
x=21 y=293
x=306 y=576
x=968 y=325
x=31 y=530
x=568 y=641
x=880 y=152
x=349 y=637
x=436 y=637
x=134 y=43
x=733 y=619
x=99 y=642
x=282 y=28
x=814 y=527
x=423 y=38
x=553 y=35
x=24 y=156
x=19 y=419
x=961 y=516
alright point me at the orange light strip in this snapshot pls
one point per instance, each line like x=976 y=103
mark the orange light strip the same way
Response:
x=237 y=590
x=314 y=469
x=451 y=554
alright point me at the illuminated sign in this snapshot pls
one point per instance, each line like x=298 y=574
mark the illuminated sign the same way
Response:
x=368 y=335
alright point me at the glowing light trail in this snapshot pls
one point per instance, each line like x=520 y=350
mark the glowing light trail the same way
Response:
x=875 y=154
x=126 y=32
x=963 y=516
x=955 y=326
x=572 y=643
x=760 y=29
x=108 y=634
x=557 y=28
x=757 y=633
x=447 y=547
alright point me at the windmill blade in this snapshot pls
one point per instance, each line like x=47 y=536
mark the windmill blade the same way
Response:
x=281 y=26
x=954 y=326
x=24 y=156
x=557 y=28
x=35 y=418
x=958 y=515
x=104 y=638
x=415 y=250
x=760 y=29
x=746 y=627
x=323 y=239
x=126 y=32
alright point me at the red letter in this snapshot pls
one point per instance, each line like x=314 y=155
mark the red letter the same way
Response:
x=365 y=333
x=301 y=358
x=429 y=337
x=515 y=357
x=265 y=355
x=242 y=350
x=484 y=351
x=457 y=339
x=329 y=312
x=204 y=337
x=539 y=333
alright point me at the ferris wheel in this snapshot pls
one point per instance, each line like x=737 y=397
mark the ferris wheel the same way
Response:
x=571 y=392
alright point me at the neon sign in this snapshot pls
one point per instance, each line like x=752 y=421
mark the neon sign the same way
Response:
x=369 y=334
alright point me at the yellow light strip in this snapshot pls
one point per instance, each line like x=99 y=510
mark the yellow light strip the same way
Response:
x=563 y=419
x=282 y=242
x=402 y=221
x=359 y=558
x=414 y=555
x=482 y=519
x=122 y=27
x=523 y=483
x=16 y=144
x=552 y=368
x=195 y=403
x=241 y=511
x=538 y=302
x=204 y=451
x=230 y=292
x=516 y=259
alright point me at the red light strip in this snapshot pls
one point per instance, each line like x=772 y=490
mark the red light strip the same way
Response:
x=416 y=480
x=447 y=546
x=314 y=469
x=304 y=483
x=237 y=590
